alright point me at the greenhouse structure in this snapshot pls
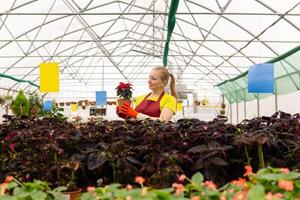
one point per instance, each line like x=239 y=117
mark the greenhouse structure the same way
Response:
x=65 y=64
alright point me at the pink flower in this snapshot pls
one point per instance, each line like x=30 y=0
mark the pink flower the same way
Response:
x=90 y=188
x=129 y=187
x=12 y=146
x=223 y=196
x=195 y=198
x=284 y=170
x=210 y=185
x=286 y=185
x=139 y=180
x=3 y=188
x=271 y=196
x=240 y=196
x=179 y=188
x=182 y=177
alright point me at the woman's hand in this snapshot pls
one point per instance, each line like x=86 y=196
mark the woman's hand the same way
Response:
x=128 y=111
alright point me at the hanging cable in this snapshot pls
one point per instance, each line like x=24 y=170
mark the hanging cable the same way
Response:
x=171 y=25
x=18 y=80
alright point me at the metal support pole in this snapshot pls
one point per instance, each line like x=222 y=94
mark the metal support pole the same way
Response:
x=276 y=103
x=230 y=107
x=245 y=105
x=258 y=110
x=102 y=75
x=237 y=112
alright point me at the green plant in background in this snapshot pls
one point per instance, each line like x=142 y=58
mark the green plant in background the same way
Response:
x=35 y=105
x=20 y=105
x=56 y=113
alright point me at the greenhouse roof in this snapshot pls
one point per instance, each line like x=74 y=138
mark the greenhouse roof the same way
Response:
x=100 y=43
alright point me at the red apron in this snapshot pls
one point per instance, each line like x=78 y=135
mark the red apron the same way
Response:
x=149 y=107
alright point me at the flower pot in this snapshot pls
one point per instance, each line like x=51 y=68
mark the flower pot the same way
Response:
x=71 y=195
x=120 y=102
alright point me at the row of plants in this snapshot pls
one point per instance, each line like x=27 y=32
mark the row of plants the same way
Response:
x=30 y=107
x=266 y=184
x=98 y=154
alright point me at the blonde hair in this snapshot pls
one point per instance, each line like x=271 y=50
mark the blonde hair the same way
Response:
x=165 y=77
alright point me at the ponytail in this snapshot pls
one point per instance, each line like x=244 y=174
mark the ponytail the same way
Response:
x=172 y=86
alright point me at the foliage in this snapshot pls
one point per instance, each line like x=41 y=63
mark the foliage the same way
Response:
x=115 y=151
x=20 y=105
x=124 y=90
x=12 y=189
x=268 y=183
x=35 y=105
x=56 y=113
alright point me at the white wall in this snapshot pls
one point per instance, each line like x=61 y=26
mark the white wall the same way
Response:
x=289 y=103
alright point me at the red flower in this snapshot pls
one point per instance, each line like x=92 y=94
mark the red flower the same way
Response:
x=9 y=179
x=12 y=146
x=124 y=90
x=248 y=169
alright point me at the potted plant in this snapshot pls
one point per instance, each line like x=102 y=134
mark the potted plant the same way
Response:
x=124 y=92
x=68 y=179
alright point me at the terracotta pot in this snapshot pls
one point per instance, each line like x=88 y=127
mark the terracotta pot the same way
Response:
x=120 y=102
x=72 y=195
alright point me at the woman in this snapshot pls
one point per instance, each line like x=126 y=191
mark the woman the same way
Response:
x=157 y=104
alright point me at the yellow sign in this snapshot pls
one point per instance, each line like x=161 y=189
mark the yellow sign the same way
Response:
x=49 y=77
x=73 y=107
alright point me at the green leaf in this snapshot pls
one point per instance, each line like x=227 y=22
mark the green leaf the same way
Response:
x=197 y=178
x=38 y=195
x=162 y=195
x=60 y=189
x=120 y=193
x=257 y=192
x=87 y=196
x=5 y=197
x=276 y=177
x=20 y=193
x=56 y=195
x=11 y=185
x=113 y=187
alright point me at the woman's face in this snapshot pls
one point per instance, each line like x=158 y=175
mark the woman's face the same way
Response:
x=155 y=82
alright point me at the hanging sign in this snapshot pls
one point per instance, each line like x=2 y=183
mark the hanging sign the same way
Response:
x=101 y=98
x=73 y=107
x=48 y=105
x=261 y=78
x=49 y=77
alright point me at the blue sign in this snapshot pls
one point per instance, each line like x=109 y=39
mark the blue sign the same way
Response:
x=101 y=98
x=261 y=78
x=48 y=105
